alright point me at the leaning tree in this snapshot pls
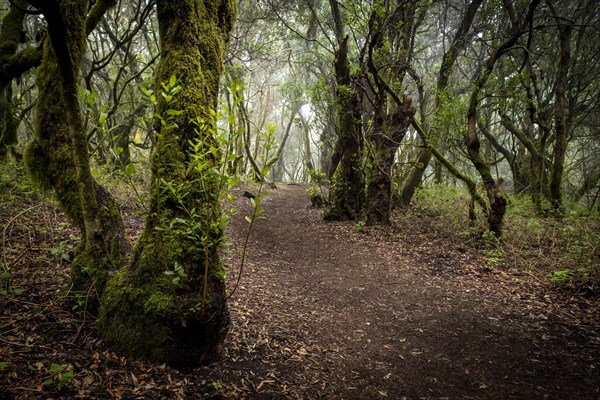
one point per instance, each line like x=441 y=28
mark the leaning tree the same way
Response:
x=58 y=159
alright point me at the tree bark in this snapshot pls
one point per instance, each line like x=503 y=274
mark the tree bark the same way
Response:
x=560 y=122
x=448 y=60
x=13 y=64
x=169 y=305
x=494 y=189
x=347 y=183
x=384 y=144
x=58 y=158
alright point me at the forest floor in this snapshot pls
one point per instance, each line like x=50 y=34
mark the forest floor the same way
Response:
x=331 y=310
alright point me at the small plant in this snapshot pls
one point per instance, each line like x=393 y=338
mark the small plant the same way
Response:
x=60 y=375
x=560 y=277
x=494 y=254
x=6 y=288
x=568 y=276
x=316 y=192
x=248 y=343
x=63 y=250
x=317 y=200
x=212 y=389
x=178 y=274
x=79 y=303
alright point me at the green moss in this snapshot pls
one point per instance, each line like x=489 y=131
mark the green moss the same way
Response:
x=147 y=321
x=50 y=160
x=97 y=12
x=181 y=319
x=36 y=162
x=12 y=24
x=158 y=303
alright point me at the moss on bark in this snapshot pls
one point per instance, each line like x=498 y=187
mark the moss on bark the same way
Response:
x=169 y=304
x=346 y=196
x=388 y=132
x=12 y=65
x=57 y=158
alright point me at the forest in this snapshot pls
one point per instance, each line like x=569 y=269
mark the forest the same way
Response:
x=270 y=199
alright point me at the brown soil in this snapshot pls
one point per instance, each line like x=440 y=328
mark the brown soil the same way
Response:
x=327 y=310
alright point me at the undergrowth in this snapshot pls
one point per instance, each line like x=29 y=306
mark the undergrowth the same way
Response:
x=561 y=251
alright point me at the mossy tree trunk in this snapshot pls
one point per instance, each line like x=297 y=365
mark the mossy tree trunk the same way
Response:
x=446 y=68
x=347 y=181
x=169 y=305
x=13 y=63
x=392 y=109
x=560 y=119
x=384 y=143
x=58 y=159
x=496 y=195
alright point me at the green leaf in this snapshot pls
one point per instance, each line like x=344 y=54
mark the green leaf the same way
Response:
x=3 y=365
x=247 y=218
x=56 y=369
x=172 y=81
x=174 y=113
x=67 y=375
x=48 y=381
x=130 y=170
x=146 y=92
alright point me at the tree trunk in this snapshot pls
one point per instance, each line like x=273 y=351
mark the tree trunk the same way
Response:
x=169 y=305
x=308 y=164
x=448 y=61
x=13 y=64
x=347 y=183
x=413 y=180
x=58 y=159
x=384 y=143
x=560 y=105
x=494 y=190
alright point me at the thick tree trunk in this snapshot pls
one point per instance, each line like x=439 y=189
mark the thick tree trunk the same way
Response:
x=347 y=183
x=384 y=144
x=169 y=305
x=58 y=159
x=413 y=180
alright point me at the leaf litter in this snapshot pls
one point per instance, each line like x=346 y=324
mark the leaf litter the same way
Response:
x=324 y=310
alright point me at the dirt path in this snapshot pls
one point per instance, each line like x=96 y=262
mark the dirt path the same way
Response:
x=331 y=310
x=325 y=310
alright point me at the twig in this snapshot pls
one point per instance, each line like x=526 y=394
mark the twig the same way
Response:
x=4 y=258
